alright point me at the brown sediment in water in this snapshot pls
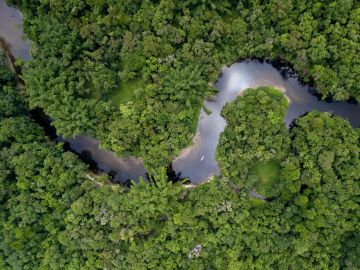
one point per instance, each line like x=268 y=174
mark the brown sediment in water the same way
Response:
x=186 y=150
x=194 y=185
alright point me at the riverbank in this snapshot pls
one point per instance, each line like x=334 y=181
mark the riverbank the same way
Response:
x=10 y=60
x=197 y=161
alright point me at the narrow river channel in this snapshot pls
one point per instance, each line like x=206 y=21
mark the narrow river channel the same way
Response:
x=121 y=168
x=11 y=31
x=197 y=162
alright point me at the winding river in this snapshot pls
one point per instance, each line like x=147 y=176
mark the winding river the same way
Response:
x=121 y=169
x=197 y=162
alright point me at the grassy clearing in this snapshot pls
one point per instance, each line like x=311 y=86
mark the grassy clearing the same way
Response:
x=126 y=92
x=266 y=175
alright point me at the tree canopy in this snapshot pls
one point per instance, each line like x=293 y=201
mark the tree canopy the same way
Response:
x=87 y=55
x=286 y=199
x=55 y=215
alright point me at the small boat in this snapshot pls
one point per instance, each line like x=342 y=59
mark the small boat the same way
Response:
x=202 y=158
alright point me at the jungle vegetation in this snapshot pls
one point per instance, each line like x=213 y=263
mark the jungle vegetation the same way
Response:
x=162 y=55
x=55 y=215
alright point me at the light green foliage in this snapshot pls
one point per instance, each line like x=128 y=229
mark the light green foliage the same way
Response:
x=127 y=91
x=39 y=183
x=328 y=150
x=317 y=180
x=168 y=122
x=53 y=217
x=265 y=177
x=91 y=56
x=255 y=134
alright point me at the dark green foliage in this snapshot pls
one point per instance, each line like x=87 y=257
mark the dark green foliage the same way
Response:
x=165 y=127
x=318 y=185
x=10 y=104
x=6 y=76
x=54 y=215
x=255 y=133
x=328 y=151
x=351 y=251
x=38 y=184
x=87 y=47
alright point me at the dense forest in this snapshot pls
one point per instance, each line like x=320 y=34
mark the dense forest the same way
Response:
x=135 y=74
x=56 y=216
